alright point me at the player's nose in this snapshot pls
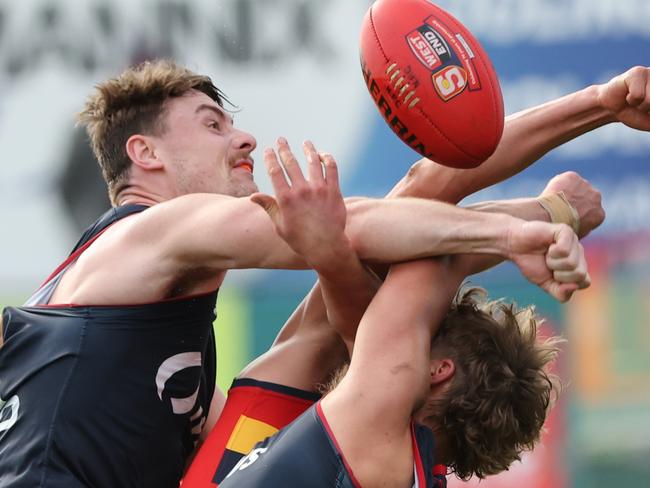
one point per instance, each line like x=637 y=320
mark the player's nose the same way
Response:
x=244 y=141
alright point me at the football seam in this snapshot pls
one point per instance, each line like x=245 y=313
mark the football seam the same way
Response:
x=434 y=126
x=374 y=33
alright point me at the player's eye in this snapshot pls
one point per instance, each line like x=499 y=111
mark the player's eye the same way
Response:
x=213 y=124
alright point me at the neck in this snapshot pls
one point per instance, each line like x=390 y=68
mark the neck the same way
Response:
x=147 y=187
x=139 y=196
x=424 y=418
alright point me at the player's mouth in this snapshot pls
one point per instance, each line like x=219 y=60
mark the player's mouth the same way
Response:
x=245 y=164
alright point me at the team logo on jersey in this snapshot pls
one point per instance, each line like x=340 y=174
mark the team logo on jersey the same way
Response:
x=172 y=366
x=447 y=55
x=8 y=413
x=246 y=433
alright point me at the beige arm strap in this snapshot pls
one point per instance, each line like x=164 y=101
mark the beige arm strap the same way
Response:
x=560 y=210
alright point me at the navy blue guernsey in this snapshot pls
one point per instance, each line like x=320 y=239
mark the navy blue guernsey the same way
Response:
x=306 y=454
x=103 y=396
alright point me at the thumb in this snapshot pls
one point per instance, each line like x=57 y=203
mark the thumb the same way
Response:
x=560 y=291
x=268 y=203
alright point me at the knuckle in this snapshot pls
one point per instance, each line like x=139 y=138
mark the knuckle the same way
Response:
x=284 y=198
x=635 y=97
x=303 y=191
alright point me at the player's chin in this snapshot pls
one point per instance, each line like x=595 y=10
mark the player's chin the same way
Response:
x=243 y=188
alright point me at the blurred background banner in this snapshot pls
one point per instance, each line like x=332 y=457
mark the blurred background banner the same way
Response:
x=291 y=67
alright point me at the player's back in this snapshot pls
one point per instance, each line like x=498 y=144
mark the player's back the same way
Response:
x=301 y=454
x=306 y=453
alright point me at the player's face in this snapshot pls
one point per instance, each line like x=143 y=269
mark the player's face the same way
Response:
x=203 y=150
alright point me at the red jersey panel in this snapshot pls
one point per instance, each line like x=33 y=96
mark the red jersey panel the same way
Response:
x=254 y=410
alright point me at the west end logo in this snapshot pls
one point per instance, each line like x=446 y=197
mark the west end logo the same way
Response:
x=446 y=55
x=429 y=47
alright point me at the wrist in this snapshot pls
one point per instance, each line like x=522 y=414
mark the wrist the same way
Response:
x=513 y=232
x=331 y=257
x=504 y=226
x=602 y=115
x=560 y=210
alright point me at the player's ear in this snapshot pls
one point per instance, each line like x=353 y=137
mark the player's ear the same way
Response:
x=441 y=370
x=141 y=151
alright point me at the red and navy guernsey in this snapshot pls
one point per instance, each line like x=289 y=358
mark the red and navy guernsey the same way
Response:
x=103 y=396
x=306 y=453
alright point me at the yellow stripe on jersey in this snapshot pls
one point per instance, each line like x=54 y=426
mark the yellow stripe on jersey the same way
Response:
x=247 y=433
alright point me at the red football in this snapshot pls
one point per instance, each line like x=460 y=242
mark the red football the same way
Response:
x=432 y=81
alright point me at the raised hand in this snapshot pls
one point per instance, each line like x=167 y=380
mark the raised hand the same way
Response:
x=550 y=256
x=309 y=214
x=583 y=197
x=627 y=97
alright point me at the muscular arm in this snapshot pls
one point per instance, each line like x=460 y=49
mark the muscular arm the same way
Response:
x=369 y=412
x=527 y=136
x=217 y=233
x=320 y=334
x=389 y=376
x=393 y=340
x=310 y=216
x=226 y=233
x=584 y=198
x=530 y=134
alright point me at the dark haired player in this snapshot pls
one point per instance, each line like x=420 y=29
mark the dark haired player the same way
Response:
x=107 y=373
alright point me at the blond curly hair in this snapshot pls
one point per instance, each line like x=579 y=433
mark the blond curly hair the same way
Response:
x=502 y=390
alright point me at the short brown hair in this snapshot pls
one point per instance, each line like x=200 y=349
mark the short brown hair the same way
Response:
x=502 y=389
x=133 y=103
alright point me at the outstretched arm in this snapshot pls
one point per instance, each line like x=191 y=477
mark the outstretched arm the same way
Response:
x=310 y=216
x=526 y=242
x=389 y=371
x=370 y=410
x=236 y=233
x=581 y=207
x=530 y=134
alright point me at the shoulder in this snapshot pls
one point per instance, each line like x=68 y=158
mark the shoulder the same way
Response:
x=376 y=452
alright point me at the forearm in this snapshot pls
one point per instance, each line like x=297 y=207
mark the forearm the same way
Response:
x=347 y=289
x=523 y=208
x=394 y=230
x=394 y=341
x=527 y=136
